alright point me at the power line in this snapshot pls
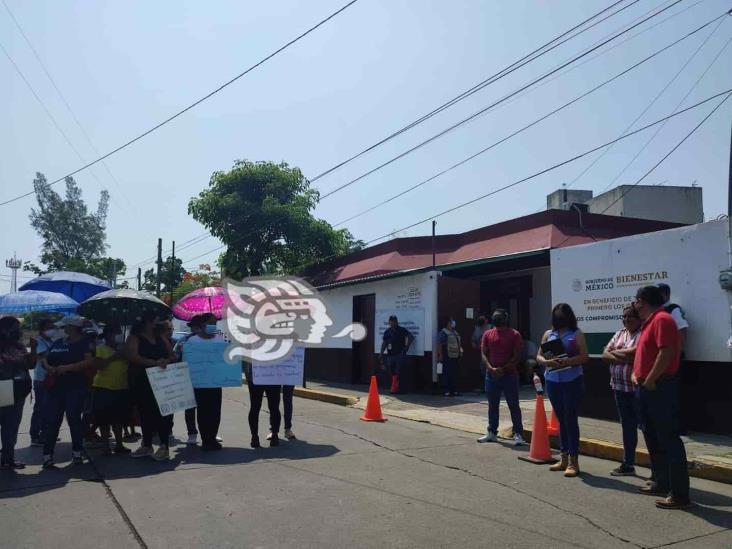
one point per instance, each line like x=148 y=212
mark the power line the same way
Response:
x=650 y=104
x=63 y=99
x=508 y=186
x=536 y=121
x=661 y=126
x=488 y=81
x=492 y=105
x=194 y=104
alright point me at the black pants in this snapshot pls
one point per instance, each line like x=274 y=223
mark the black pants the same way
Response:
x=287 y=393
x=151 y=421
x=191 y=421
x=209 y=413
x=256 y=393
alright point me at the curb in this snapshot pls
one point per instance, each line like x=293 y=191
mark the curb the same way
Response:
x=700 y=467
x=324 y=396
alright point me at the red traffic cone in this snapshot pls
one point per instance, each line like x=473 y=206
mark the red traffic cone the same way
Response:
x=373 y=406
x=394 y=384
x=553 y=428
x=539 y=452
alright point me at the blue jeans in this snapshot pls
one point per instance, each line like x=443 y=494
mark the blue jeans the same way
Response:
x=10 y=417
x=37 y=419
x=509 y=386
x=565 y=398
x=660 y=411
x=628 y=412
x=60 y=401
x=449 y=372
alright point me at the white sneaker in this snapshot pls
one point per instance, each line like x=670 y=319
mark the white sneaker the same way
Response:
x=488 y=437
x=142 y=451
x=518 y=440
x=192 y=440
x=289 y=435
x=269 y=436
x=219 y=439
x=162 y=454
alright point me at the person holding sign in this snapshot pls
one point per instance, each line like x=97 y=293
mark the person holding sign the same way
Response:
x=563 y=351
x=66 y=363
x=256 y=395
x=208 y=399
x=15 y=361
x=145 y=350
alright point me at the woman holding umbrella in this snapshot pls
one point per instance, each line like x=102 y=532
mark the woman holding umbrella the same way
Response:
x=146 y=349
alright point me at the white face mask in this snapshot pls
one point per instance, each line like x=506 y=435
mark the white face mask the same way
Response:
x=52 y=334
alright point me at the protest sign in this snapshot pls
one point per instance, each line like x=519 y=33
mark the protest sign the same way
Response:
x=7 y=397
x=288 y=371
x=207 y=364
x=172 y=388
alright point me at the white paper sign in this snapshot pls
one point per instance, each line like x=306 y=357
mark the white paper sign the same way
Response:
x=410 y=319
x=172 y=388
x=286 y=372
x=7 y=397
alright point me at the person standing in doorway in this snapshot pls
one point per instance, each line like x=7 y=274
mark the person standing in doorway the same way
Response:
x=395 y=343
x=48 y=334
x=449 y=351
x=481 y=327
x=619 y=354
x=655 y=373
x=565 y=384
x=502 y=350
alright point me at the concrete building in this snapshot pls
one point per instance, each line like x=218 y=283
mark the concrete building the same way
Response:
x=659 y=203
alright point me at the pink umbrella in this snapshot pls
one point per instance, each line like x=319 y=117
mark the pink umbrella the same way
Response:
x=200 y=301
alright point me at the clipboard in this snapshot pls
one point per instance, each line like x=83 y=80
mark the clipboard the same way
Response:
x=553 y=349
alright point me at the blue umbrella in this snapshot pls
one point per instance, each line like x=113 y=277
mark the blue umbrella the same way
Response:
x=78 y=286
x=35 y=300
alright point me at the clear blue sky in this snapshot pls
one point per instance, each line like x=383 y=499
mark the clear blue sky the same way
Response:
x=124 y=66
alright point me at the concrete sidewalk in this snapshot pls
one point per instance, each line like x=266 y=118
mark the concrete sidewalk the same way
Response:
x=709 y=456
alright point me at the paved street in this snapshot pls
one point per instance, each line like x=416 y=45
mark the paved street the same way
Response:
x=345 y=483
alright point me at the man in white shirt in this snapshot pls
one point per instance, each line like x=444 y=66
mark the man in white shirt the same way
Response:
x=676 y=312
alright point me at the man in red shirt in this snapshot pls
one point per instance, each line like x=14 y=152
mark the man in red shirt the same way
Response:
x=501 y=353
x=657 y=387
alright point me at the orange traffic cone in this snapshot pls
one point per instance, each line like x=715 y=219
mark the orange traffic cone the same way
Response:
x=553 y=428
x=373 y=406
x=539 y=452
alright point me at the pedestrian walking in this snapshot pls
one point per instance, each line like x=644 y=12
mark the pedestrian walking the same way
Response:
x=48 y=333
x=449 y=352
x=502 y=350
x=111 y=396
x=208 y=400
x=564 y=382
x=67 y=363
x=655 y=372
x=395 y=345
x=146 y=350
x=619 y=354
x=15 y=362
x=256 y=395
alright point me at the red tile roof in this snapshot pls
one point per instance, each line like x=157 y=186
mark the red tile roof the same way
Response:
x=540 y=231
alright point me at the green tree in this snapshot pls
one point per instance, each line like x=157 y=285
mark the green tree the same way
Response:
x=262 y=212
x=171 y=275
x=203 y=277
x=74 y=239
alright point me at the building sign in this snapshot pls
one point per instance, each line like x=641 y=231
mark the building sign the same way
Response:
x=410 y=319
x=598 y=280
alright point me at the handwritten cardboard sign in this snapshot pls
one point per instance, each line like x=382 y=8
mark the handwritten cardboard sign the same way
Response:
x=172 y=388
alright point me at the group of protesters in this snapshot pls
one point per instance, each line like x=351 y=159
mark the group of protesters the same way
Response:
x=97 y=380
x=644 y=359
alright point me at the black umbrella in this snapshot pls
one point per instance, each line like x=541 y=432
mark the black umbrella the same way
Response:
x=123 y=306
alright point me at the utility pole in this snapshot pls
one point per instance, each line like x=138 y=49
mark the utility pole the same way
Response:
x=172 y=275
x=14 y=264
x=139 y=278
x=434 y=258
x=159 y=267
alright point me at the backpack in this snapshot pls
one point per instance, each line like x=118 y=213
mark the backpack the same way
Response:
x=452 y=344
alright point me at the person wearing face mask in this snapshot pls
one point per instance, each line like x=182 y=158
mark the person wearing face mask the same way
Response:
x=619 y=354
x=48 y=334
x=501 y=350
x=208 y=400
x=111 y=401
x=565 y=384
x=66 y=364
x=449 y=351
x=15 y=361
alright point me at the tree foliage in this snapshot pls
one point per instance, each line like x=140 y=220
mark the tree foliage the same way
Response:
x=262 y=212
x=74 y=239
x=171 y=275
x=203 y=277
